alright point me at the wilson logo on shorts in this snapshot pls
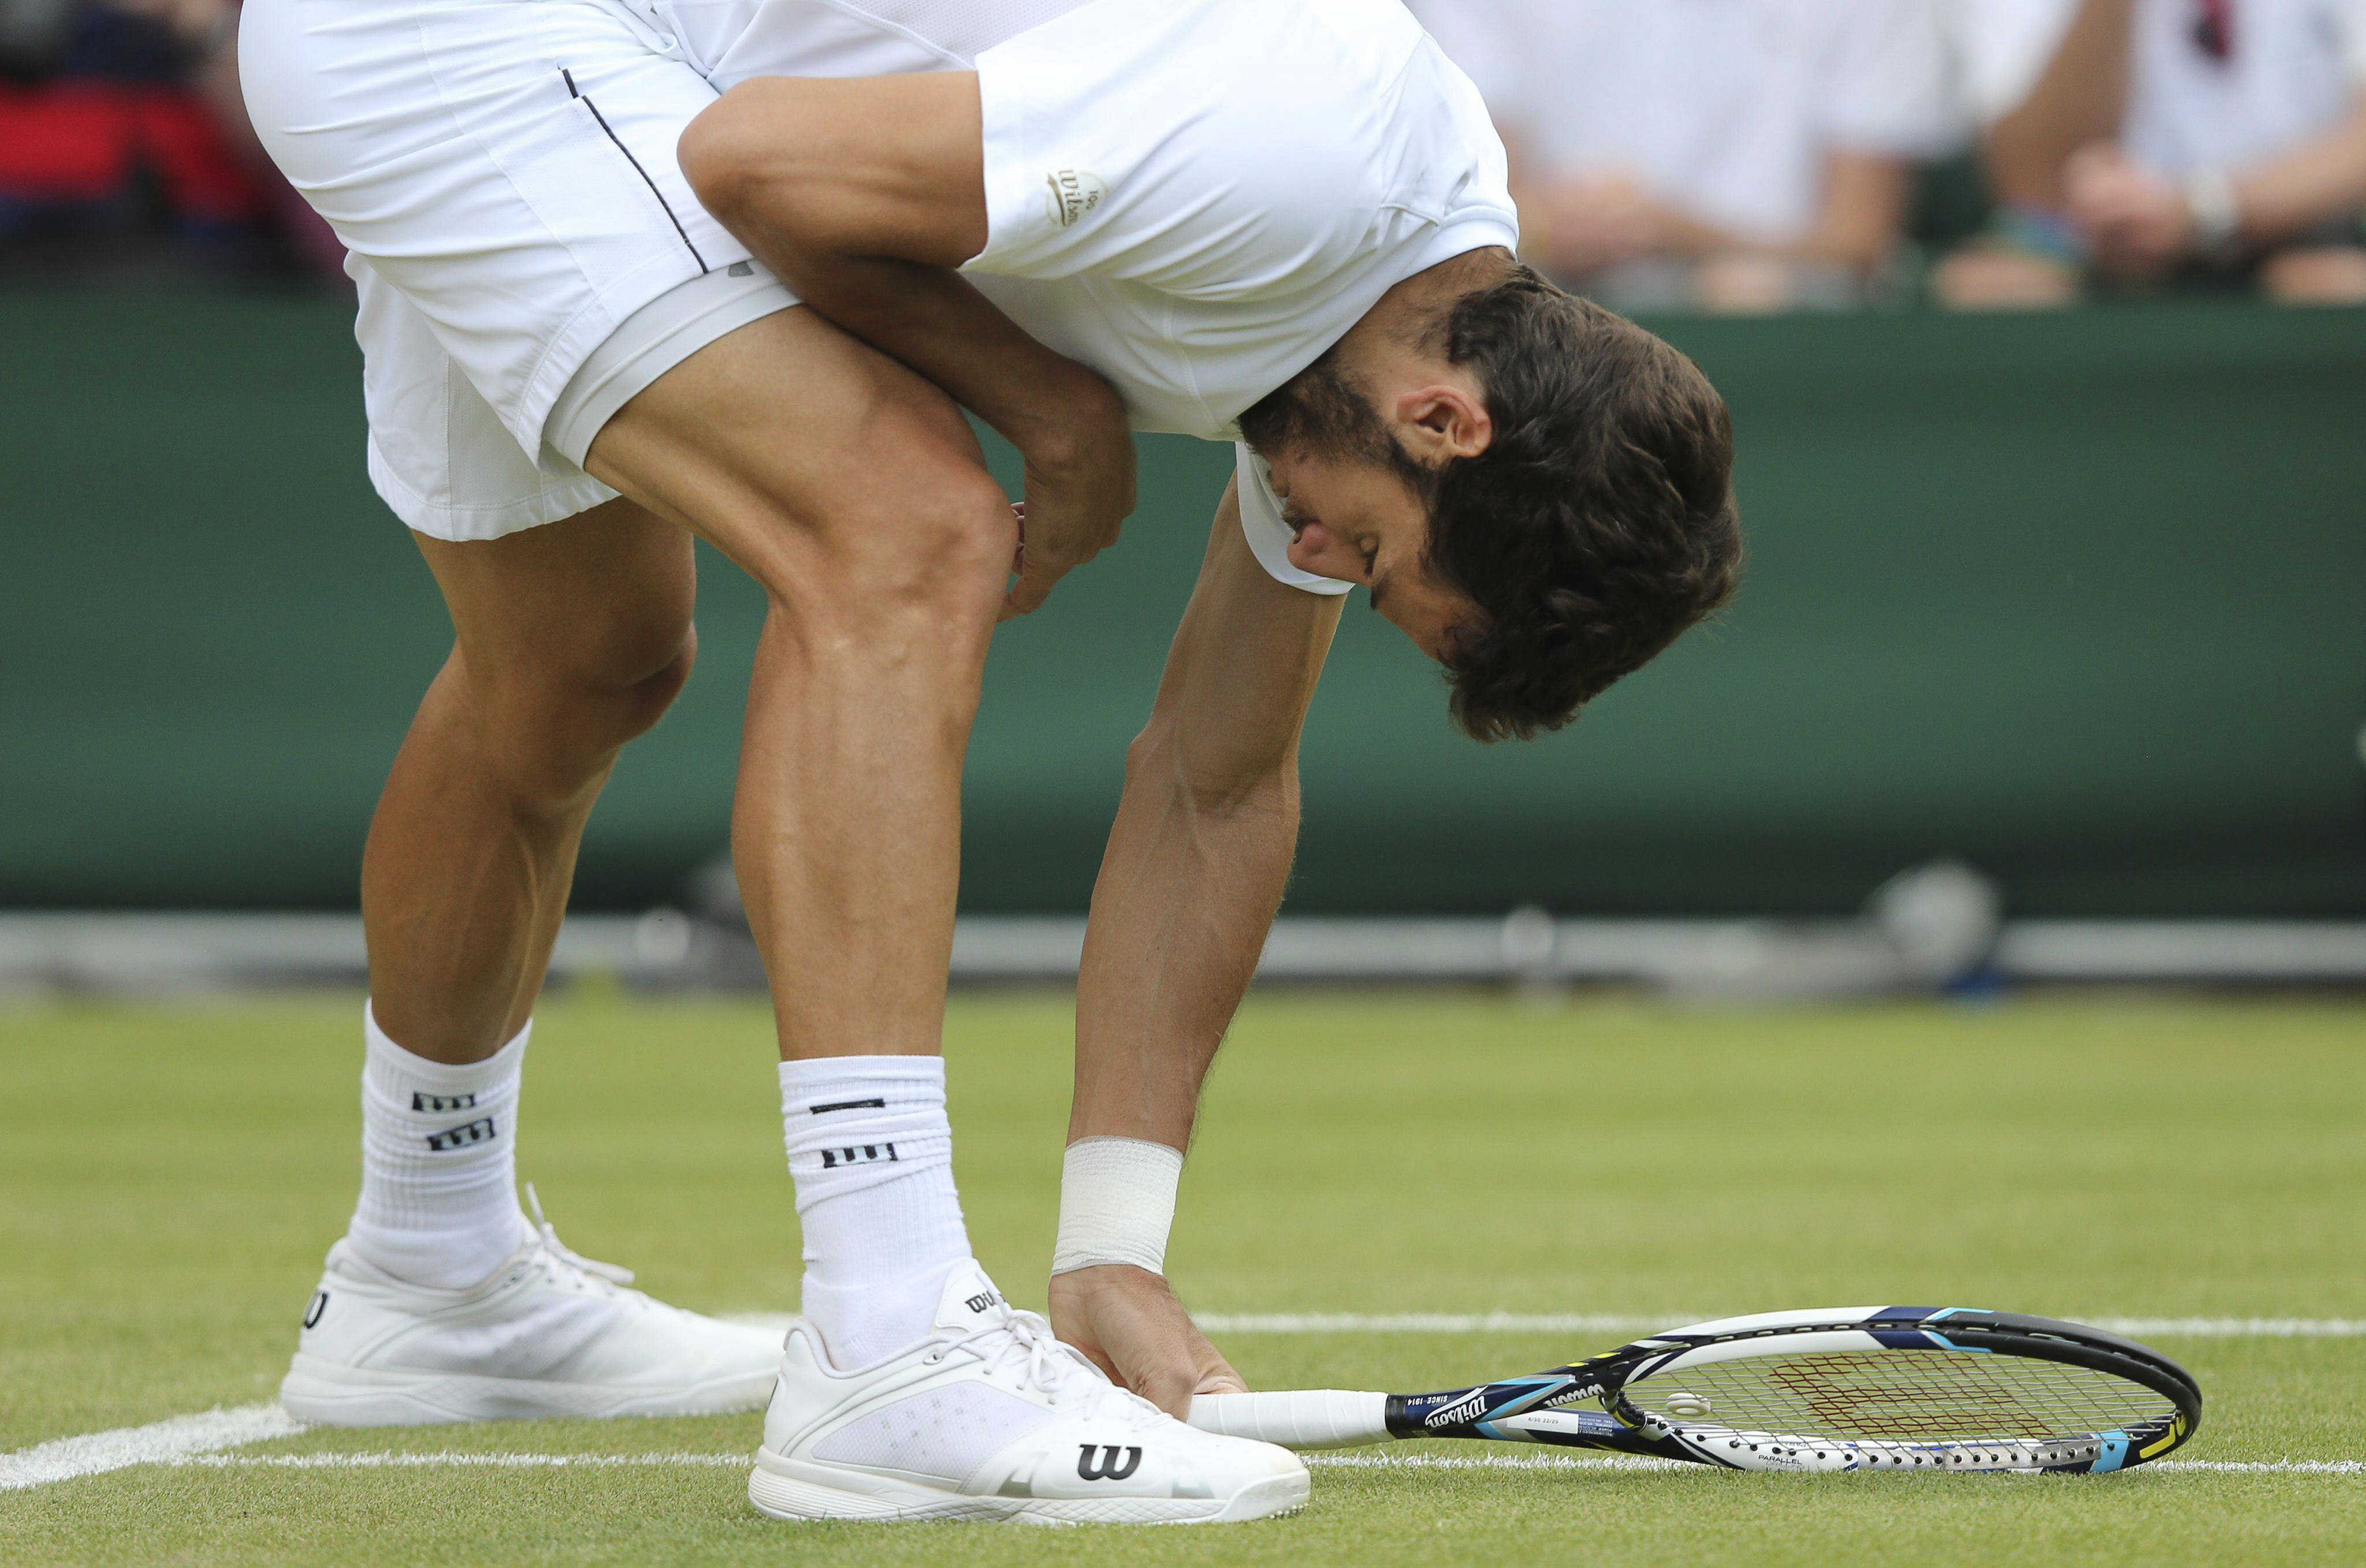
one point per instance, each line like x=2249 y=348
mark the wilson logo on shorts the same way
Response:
x=477 y=1132
x=443 y=1101
x=320 y=1304
x=859 y=1154
x=1072 y=194
x=1108 y=1467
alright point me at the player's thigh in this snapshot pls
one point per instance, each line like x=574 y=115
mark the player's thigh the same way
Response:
x=578 y=627
x=811 y=459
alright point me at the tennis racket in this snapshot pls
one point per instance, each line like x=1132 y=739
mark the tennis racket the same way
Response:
x=1829 y=1388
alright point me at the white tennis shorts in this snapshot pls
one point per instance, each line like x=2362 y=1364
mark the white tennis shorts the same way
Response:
x=504 y=173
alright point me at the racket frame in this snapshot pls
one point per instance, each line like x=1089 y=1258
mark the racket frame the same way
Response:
x=1539 y=1408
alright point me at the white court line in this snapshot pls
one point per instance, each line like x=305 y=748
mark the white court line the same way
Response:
x=159 y=1441
x=182 y=1437
x=1630 y=1323
x=1630 y=1461
x=395 y=1460
x=1589 y=1323
x=425 y=1460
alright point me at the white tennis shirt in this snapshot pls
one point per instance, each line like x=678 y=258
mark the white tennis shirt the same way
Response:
x=1194 y=198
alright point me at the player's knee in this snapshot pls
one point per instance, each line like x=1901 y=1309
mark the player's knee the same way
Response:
x=964 y=535
x=554 y=727
x=636 y=704
x=935 y=548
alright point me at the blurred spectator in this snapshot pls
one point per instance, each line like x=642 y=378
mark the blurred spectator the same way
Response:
x=121 y=125
x=2139 y=139
x=1729 y=155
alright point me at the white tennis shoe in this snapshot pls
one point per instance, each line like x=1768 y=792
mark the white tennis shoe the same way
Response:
x=549 y=1334
x=992 y=1418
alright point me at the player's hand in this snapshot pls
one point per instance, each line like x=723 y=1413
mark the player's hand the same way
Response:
x=2138 y=223
x=1128 y=1323
x=1079 y=490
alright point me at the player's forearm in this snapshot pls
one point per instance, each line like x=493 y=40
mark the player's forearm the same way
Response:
x=1188 y=891
x=869 y=229
x=932 y=319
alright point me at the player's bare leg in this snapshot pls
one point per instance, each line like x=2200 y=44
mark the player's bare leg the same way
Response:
x=572 y=639
x=885 y=548
x=442 y=1303
x=855 y=494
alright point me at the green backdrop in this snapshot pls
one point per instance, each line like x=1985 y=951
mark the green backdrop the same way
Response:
x=2080 y=598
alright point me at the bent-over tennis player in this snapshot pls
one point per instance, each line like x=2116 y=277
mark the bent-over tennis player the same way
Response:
x=581 y=230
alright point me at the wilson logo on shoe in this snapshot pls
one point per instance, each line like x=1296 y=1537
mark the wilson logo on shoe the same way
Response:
x=982 y=1301
x=859 y=1154
x=477 y=1131
x=1109 y=1468
x=443 y=1101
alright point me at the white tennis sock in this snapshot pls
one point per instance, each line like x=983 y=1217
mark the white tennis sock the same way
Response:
x=873 y=1156
x=439 y=1164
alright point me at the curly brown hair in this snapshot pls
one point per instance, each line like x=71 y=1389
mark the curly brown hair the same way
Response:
x=1598 y=525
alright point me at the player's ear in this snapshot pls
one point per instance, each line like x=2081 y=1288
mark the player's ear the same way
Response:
x=1439 y=423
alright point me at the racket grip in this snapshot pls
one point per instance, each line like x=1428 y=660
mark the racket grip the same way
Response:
x=1308 y=1418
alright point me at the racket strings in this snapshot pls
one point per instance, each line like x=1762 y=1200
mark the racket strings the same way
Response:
x=1861 y=1396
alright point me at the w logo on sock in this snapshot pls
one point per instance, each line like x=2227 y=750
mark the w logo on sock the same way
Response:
x=443 y=1101
x=1108 y=1468
x=477 y=1131
x=859 y=1154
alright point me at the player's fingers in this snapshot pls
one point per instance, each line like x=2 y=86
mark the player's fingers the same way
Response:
x=1094 y=1354
x=1040 y=572
x=1223 y=1380
x=1169 y=1386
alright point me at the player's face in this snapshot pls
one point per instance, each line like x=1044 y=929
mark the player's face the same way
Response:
x=1358 y=521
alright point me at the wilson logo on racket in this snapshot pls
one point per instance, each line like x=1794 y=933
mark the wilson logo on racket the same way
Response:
x=1453 y=1415
x=1110 y=1467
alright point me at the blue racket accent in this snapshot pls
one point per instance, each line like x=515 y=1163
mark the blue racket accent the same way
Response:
x=1907 y=1315
x=2114 y=1454
x=1921 y=1339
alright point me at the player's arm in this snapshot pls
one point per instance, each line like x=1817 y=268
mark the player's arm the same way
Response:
x=1205 y=833
x=865 y=196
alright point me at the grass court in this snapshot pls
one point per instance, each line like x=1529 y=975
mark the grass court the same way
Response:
x=170 y=1174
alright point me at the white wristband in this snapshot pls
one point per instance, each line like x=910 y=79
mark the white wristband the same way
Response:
x=1117 y=1203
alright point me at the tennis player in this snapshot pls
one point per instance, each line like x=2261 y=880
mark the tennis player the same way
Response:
x=581 y=230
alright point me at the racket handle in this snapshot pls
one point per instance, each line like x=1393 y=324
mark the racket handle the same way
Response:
x=1309 y=1418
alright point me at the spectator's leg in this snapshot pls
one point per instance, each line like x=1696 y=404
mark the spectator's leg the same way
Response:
x=2315 y=274
x=1988 y=274
x=572 y=639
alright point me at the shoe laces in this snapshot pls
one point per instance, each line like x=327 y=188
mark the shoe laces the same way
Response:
x=1024 y=1341
x=547 y=1240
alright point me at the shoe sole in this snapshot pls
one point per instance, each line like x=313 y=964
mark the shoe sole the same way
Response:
x=327 y=1393
x=783 y=1489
